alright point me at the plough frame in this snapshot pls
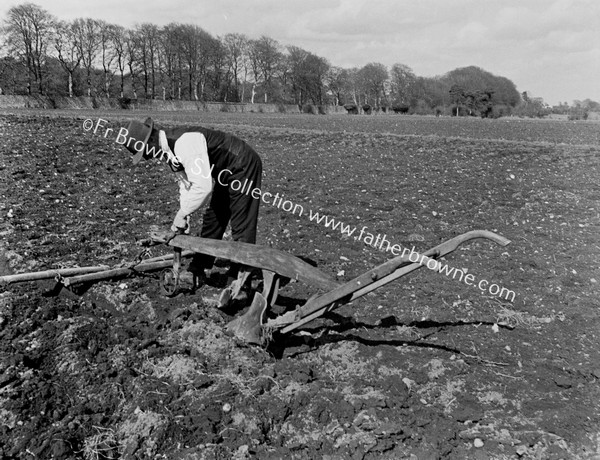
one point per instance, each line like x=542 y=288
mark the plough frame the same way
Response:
x=276 y=265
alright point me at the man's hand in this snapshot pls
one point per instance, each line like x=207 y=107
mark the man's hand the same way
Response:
x=164 y=236
x=174 y=233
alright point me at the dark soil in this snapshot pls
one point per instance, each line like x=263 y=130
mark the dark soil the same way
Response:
x=426 y=367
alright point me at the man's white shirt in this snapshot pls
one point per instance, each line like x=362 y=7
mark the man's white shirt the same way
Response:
x=195 y=181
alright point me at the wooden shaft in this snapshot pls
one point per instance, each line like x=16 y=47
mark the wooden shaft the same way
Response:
x=257 y=256
x=354 y=289
x=167 y=257
x=48 y=274
x=73 y=272
x=401 y=271
x=117 y=272
x=403 y=265
x=155 y=263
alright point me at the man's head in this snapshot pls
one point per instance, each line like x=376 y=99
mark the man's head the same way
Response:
x=137 y=138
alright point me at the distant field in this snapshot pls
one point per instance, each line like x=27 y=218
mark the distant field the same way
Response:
x=510 y=129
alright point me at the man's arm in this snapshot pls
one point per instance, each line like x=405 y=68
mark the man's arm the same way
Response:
x=195 y=189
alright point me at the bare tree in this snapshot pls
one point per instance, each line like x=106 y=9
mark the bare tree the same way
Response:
x=68 y=51
x=191 y=54
x=209 y=61
x=107 y=52
x=131 y=57
x=245 y=66
x=29 y=29
x=88 y=40
x=148 y=42
x=236 y=48
x=337 y=83
x=198 y=48
x=402 y=83
x=373 y=77
x=213 y=69
x=265 y=54
x=296 y=59
x=119 y=43
x=307 y=73
x=284 y=75
x=254 y=65
x=353 y=87
x=168 y=60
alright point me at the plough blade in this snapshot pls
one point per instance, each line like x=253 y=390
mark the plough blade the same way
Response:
x=248 y=327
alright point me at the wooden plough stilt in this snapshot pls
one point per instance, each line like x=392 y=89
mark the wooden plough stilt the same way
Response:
x=276 y=265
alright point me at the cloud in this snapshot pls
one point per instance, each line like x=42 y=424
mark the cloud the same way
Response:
x=472 y=34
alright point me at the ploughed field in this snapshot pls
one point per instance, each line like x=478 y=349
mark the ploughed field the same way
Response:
x=426 y=367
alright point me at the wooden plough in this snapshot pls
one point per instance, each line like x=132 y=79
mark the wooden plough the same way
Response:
x=275 y=265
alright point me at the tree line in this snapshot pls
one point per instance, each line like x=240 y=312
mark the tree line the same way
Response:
x=46 y=56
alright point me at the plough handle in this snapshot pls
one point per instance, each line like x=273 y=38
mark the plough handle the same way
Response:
x=256 y=256
x=380 y=276
x=439 y=251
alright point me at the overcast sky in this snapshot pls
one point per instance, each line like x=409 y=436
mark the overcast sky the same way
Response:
x=550 y=48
